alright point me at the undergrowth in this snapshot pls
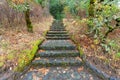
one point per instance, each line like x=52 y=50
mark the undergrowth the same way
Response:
x=90 y=47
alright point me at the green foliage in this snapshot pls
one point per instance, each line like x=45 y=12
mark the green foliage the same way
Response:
x=100 y=24
x=56 y=9
x=110 y=46
x=104 y=16
x=118 y=55
x=19 y=7
x=41 y=2
x=74 y=6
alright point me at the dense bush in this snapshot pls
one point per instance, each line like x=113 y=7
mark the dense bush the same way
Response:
x=56 y=9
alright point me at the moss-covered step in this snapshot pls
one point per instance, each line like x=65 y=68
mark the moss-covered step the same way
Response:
x=58 y=53
x=57 y=27
x=57 y=38
x=57 y=45
x=57 y=32
x=57 y=35
x=44 y=62
x=57 y=24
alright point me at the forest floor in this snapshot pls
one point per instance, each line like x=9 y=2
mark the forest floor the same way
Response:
x=106 y=62
x=15 y=40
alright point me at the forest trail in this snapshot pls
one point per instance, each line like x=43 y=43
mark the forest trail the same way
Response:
x=58 y=58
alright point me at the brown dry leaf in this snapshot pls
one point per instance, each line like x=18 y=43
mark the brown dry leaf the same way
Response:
x=79 y=58
x=37 y=58
x=31 y=69
x=41 y=51
x=93 y=46
x=44 y=70
x=91 y=78
x=102 y=57
x=80 y=69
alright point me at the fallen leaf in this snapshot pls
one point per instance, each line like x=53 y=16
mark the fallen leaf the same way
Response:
x=80 y=69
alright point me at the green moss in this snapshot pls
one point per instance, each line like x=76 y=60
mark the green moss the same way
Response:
x=44 y=34
x=118 y=55
x=10 y=56
x=27 y=56
x=48 y=65
x=1 y=64
x=81 y=52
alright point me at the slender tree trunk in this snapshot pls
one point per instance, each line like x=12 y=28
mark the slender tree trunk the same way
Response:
x=28 y=22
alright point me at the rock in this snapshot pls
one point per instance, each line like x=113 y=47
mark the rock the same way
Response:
x=112 y=78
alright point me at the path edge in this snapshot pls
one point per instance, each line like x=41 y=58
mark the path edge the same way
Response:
x=99 y=73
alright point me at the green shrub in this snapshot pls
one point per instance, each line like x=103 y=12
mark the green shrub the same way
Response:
x=56 y=9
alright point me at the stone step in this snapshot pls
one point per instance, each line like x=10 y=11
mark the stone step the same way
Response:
x=44 y=62
x=57 y=35
x=57 y=28
x=58 y=24
x=58 y=53
x=57 y=32
x=58 y=45
x=57 y=38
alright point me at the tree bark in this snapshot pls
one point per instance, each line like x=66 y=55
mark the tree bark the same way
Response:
x=28 y=22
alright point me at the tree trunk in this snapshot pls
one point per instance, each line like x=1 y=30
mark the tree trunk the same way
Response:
x=28 y=22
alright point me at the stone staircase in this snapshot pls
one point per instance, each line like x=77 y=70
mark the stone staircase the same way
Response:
x=57 y=49
x=58 y=58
